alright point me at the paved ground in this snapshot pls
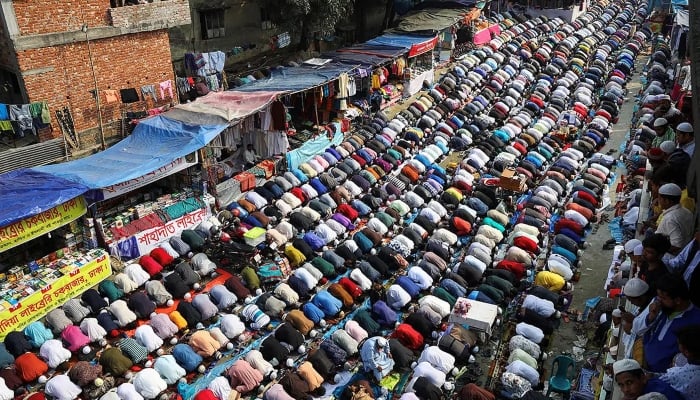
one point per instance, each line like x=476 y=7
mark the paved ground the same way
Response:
x=596 y=261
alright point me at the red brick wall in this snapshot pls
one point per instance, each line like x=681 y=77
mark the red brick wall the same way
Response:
x=121 y=62
x=49 y=16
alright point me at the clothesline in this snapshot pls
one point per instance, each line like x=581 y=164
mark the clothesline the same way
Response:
x=21 y=118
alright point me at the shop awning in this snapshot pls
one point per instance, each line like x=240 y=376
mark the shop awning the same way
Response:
x=155 y=143
x=375 y=50
x=416 y=44
x=25 y=193
x=445 y=4
x=293 y=79
x=357 y=59
x=231 y=105
x=431 y=20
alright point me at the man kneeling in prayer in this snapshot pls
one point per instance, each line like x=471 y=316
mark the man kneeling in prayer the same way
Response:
x=376 y=357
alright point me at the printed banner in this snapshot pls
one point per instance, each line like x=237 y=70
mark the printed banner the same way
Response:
x=39 y=303
x=39 y=224
x=420 y=48
x=132 y=184
x=149 y=239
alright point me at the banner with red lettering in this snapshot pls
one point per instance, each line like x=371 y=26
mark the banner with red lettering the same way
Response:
x=36 y=305
x=42 y=223
x=149 y=239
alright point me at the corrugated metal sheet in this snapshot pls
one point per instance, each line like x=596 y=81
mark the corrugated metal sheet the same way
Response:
x=33 y=155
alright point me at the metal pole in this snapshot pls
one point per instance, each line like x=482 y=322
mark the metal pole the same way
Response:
x=103 y=145
x=694 y=47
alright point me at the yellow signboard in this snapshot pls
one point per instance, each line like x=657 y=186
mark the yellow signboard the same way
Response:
x=39 y=303
x=39 y=224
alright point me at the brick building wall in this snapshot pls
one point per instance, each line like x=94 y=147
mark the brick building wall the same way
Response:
x=49 y=16
x=44 y=46
x=120 y=62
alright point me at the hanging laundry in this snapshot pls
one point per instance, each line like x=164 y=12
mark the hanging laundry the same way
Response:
x=6 y=126
x=23 y=116
x=3 y=112
x=45 y=113
x=213 y=83
x=111 y=96
x=149 y=90
x=129 y=95
x=37 y=111
x=352 y=87
x=166 y=86
x=217 y=60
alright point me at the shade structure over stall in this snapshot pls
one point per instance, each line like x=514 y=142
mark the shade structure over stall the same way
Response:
x=375 y=50
x=417 y=44
x=25 y=192
x=231 y=105
x=155 y=143
x=363 y=60
x=294 y=79
x=431 y=20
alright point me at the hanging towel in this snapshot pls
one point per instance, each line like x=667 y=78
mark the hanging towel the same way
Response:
x=6 y=126
x=129 y=95
x=3 y=112
x=111 y=96
x=45 y=113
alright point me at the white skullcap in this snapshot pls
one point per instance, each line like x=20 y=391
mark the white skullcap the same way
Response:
x=670 y=189
x=631 y=244
x=625 y=365
x=635 y=287
x=685 y=127
x=668 y=146
x=660 y=122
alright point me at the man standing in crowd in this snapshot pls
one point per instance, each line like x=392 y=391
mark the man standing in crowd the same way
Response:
x=663 y=132
x=676 y=221
x=638 y=293
x=674 y=310
x=685 y=137
x=633 y=382
x=684 y=376
x=686 y=263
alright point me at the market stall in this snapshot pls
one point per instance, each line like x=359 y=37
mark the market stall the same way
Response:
x=41 y=250
x=143 y=188
x=418 y=66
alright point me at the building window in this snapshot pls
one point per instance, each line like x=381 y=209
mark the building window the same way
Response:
x=212 y=23
x=265 y=20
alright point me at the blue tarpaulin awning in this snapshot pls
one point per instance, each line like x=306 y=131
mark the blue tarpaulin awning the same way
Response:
x=26 y=192
x=416 y=44
x=154 y=143
x=292 y=79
